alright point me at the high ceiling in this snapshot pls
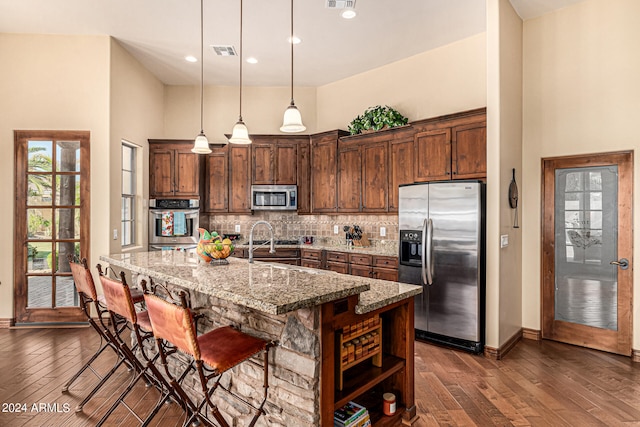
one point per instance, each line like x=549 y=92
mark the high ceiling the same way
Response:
x=160 y=33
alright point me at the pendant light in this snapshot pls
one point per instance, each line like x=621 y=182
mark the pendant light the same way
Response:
x=201 y=144
x=292 y=121
x=240 y=133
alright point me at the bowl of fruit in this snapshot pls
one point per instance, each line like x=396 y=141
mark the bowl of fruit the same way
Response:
x=212 y=246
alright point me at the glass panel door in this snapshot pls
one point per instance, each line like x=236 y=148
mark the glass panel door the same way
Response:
x=587 y=250
x=51 y=181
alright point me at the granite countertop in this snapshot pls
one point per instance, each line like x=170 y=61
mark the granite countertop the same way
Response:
x=268 y=287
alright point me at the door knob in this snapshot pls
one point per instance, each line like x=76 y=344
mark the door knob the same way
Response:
x=623 y=263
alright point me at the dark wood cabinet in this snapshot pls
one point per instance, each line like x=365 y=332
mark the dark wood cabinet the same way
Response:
x=275 y=159
x=304 y=177
x=174 y=171
x=349 y=177
x=324 y=164
x=363 y=171
x=451 y=147
x=239 y=178
x=400 y=166
x=357 y=264
x=216 y=180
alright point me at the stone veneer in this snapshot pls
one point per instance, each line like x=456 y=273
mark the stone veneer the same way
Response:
x=292 y=226
x=293 y=391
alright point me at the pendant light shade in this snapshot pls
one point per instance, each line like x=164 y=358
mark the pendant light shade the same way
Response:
x=240 y=133
x=292 y=121
x=201 y=144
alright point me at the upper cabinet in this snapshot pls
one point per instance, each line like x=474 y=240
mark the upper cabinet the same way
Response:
x=451 y=147
x=174 y=169
x=239 y=186
x=324 y=169
x=216 y=180
x=275 y=159
x=363 y=169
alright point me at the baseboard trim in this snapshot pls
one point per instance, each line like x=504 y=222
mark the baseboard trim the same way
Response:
x=6 y=323
x=532 y=334
x=635 y=356
x=498 y=353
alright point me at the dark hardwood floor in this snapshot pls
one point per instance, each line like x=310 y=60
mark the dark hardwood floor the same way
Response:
x=538 y=384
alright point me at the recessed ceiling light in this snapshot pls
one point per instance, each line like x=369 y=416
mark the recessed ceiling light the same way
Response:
x=191 y=58
x=252 y=60
x=294 y=40
x=348 y=14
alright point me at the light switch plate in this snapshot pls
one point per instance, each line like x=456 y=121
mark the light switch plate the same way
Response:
x=115 y=234
x=237 y=228
x=504 y=240
x=383 y=231
x=336 y=230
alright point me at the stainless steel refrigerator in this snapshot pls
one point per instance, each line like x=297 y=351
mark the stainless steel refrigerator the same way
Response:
x=441 y=245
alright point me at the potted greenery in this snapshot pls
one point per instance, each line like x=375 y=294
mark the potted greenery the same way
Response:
x=375 y=119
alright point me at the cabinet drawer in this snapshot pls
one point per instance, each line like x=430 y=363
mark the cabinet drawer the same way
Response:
x=360 y=270
x=360 y=259
x=385 y=274
x=311 y=263
x=338 y=267
x=385 y=261
x=312 y=254
x=337 y=256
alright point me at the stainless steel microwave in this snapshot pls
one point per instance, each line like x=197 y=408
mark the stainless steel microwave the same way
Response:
x=274 y=197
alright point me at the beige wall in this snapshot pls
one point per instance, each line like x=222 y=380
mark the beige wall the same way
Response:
x=75 y=83
x=53 y=83
x=445 y=80
x=504 y=149
x=136 y=111
x=581 y=95
x=262 y=110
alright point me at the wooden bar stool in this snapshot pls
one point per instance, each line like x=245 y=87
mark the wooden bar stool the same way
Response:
x=89 y=297
x=212 y=354
x=124 y=317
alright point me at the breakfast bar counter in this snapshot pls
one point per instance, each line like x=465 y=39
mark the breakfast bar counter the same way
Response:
x=314 y=316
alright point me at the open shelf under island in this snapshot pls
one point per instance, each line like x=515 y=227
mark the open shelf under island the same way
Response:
x=305 y=311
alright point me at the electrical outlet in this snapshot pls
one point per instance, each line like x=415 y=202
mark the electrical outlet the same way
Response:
x=336 y=230
x=383 y=231
x=237 y=228
x=115 y=234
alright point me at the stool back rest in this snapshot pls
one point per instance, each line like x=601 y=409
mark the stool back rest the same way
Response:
x=118 y=297
x=82 y=277
x=173 y=323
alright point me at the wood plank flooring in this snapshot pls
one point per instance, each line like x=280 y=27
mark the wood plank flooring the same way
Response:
x=537 y=384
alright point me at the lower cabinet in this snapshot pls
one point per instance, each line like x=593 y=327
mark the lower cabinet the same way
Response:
x=365 y=265
x=289 y=256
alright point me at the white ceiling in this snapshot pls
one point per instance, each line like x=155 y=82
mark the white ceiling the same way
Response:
x=160 y=33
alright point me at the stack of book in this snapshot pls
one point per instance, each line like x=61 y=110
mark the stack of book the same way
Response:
x=351 y=415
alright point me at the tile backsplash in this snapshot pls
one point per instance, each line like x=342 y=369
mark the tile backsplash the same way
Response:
x=288 y=225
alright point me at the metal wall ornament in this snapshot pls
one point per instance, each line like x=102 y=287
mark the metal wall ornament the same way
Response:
x=513 y=197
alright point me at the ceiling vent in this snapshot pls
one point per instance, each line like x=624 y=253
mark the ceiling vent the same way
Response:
x=340 y=4
x=224 y=50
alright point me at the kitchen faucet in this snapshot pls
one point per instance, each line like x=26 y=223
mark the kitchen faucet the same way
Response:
x=272 y=250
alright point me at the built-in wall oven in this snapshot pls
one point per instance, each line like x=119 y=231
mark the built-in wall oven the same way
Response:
x=173 y=224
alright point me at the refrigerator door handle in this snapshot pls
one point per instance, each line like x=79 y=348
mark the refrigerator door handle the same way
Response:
x=429 y=252
x=423 y=258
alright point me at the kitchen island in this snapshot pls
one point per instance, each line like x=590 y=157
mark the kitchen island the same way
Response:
x=313 y=315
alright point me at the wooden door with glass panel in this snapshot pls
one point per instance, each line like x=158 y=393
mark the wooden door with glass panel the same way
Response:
x=587 y=251
x=52 y=221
